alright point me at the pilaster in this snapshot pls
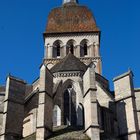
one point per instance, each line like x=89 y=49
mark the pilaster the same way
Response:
x=50 y=51
x=97 y=51
x=92 y=52
x=45 y=104
x=77 y=50
x=91 y=105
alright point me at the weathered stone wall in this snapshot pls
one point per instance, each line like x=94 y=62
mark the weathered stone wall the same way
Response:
x=35 y=84
x=107 y=123
x=2 y=95
x=137 y=95
x=58 y=100
x=13 y=109
x=29 y=89
x=104 y=97
x=31 y=103
x=125 y=106
x=29 y=123
x=91 y=105
x=45 y=104
x=30 y=111
x=102 y=80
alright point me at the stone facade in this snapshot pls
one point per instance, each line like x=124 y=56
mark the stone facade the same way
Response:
x=70 y=89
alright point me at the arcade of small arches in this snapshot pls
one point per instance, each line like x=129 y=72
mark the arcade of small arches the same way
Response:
x=84 y=49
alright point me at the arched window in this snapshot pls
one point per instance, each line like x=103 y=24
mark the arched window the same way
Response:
x=84 y=48
x=70 y=46
x=70 y=106
x=56 y=48
x=66 y=108
x=80 y=115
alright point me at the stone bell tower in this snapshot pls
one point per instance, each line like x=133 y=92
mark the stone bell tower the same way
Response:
x=72 y=27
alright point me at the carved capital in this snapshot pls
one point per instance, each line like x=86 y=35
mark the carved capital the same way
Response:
x=95 y=44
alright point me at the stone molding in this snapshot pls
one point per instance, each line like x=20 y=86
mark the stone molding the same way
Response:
x=56 y=60
x=72 y=34
x=124 y=98
x=45 y=93
x=31 y=95
x=96 y=126
x=129 y=133
x=68 y=74
x=11 y=134
x=16 y=102
x=90 y=89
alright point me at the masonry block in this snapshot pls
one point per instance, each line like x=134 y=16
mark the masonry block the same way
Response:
x=45 y=108
x=126 y=107
x=13 y=109
x=91 y=105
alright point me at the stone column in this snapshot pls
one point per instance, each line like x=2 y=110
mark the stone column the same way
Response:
x=97 y=51
x=91 y=48
x=62 y=52
x=45 y=105
x=91 y=105
x=45 y=52
x=13 y=109
x=50 y=51
x=77 y=50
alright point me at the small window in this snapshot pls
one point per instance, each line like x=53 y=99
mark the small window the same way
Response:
x=85 y=49
x=71 y=49
x=58 y=50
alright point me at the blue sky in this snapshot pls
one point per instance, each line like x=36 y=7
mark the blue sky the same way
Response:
x=22 y=23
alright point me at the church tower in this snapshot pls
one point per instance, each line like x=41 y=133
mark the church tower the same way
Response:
x=70 y=99
x=72 y=27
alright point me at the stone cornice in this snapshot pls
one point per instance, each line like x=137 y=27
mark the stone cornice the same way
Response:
x=70 y=34
x=81 y=58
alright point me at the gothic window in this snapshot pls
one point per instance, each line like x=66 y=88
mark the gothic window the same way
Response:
x=69 y=106
x=66 y=108
x=80 y=115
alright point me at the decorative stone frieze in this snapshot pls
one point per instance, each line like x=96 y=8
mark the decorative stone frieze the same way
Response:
x=67 y=74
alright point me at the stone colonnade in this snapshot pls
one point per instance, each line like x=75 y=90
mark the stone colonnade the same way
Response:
x=78 y=50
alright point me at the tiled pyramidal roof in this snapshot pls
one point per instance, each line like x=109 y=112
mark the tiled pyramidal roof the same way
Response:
x=71 y=17
x=69 y=63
